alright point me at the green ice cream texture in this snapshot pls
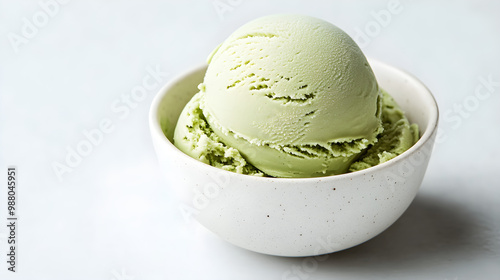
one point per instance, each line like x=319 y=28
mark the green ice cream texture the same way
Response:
x=291 y=96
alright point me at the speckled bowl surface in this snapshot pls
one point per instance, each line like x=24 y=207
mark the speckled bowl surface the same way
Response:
x=296 y=217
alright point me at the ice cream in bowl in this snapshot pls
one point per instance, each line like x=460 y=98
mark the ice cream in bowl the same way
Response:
x=290 y=142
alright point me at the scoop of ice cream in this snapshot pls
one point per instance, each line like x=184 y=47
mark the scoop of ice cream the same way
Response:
x=291 y=96
x=294 y=94
x=196 y=138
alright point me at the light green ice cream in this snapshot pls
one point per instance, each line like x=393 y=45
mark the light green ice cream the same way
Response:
x=398 y=136
x=194 y=137
x=290 y=96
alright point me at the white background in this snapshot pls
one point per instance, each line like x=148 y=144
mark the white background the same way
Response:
x=113 y=215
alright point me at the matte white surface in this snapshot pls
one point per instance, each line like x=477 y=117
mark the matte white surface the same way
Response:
x=113 y=217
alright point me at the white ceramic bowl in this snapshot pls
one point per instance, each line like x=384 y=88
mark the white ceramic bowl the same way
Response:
x=296 y=217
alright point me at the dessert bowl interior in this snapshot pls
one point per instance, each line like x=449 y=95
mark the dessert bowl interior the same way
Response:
x=304 y=216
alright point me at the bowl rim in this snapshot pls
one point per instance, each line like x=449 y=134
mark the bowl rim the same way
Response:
x=427 y=135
